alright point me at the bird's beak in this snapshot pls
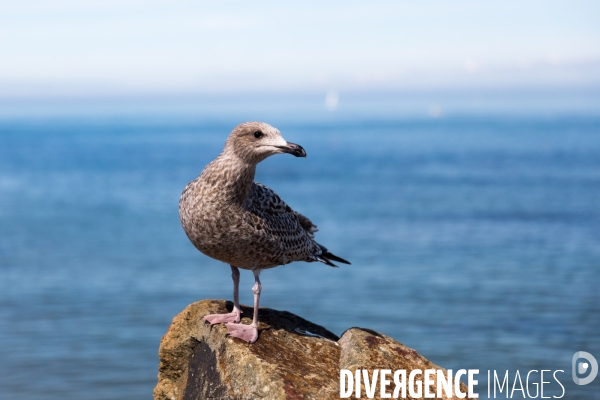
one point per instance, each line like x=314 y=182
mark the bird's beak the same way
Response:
x=293 y=149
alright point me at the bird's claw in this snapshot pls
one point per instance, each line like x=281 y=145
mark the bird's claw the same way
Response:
x=222 y=318
x=248 y=333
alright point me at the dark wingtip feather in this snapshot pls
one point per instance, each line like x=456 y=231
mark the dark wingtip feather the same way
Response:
x=326 y=261
x=333 y=257
x=329 y=256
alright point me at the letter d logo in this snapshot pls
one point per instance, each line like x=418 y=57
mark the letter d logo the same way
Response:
x=582 y=367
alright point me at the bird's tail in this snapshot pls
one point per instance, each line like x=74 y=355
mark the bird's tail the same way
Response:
x=326 y=257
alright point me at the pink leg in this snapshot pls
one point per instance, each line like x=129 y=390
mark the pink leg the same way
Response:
x=249 y=333
x=234 y=315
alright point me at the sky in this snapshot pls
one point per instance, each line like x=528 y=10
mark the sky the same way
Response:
x=74 y=47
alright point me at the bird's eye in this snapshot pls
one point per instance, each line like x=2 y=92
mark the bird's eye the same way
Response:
x=258 y=134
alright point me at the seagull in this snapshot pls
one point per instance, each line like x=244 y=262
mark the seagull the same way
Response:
x=231 y=218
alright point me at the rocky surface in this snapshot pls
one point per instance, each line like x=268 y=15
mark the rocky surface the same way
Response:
x=292 y=359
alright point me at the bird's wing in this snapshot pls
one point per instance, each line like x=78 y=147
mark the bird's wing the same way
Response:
x=266 y=200
x=294 y=233
x=307 y=224
x=277 y=221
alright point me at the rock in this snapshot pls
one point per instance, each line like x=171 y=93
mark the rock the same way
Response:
x=292 y=359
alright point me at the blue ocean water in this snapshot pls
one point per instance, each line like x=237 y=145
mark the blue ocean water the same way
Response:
x=473 y=239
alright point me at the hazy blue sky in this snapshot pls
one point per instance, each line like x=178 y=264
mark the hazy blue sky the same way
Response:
x=127 y=46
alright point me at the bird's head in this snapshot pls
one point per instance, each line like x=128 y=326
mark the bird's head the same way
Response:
x=255 y=141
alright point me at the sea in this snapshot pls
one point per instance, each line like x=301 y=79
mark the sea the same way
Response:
x=472 y=226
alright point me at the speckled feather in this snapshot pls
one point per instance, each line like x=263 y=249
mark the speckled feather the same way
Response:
x=231 y=218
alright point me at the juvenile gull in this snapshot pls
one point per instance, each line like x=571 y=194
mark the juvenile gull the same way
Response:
x=231 y=218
